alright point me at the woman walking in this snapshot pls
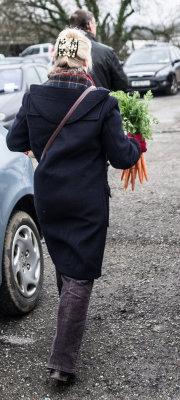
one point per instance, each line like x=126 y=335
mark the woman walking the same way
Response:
x=70 y=182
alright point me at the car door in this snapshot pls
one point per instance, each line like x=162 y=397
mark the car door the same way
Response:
x=42 y=72
x=31 y=76
x=175 y=54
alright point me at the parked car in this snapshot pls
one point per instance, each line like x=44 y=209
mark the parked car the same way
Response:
x=44 y=50
x=20 y=60
x=21 y=257
x=155 y=68
x=15 y=80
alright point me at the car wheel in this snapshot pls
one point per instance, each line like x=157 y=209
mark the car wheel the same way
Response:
x=22 y=267
x=173 y=89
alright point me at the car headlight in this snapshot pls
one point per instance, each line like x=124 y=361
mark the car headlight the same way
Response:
x=164 y=71
x=2 y=116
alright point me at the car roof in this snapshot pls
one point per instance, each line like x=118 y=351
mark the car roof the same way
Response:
x=157 y=46
x=148 y=49
x=39 y=44
x=21 y=60
x=21 y=65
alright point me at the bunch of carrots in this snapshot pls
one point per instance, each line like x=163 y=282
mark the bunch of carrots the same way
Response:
x=136 y=119
x=131 y=173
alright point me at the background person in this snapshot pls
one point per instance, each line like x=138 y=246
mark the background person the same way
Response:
x=70 y=182
x=107 y=71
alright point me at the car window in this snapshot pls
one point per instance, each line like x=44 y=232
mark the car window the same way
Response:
x=175 y=54
x=35 y=50
x=178 y=53
x=42 y=73
x=45 y=49
x=31 y=76
x=152 y=56
x=10 y=80
x=26 y=52
x=30 y=51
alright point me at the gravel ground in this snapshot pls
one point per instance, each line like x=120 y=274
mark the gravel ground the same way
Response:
x=130 y=347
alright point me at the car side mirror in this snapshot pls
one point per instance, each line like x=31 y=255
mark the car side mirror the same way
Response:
x=176 y=61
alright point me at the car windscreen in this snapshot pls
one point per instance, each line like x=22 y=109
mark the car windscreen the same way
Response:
x=152 y=56
x=10 y=80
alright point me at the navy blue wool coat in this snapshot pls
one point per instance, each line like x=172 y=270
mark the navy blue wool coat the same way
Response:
x=71 y=188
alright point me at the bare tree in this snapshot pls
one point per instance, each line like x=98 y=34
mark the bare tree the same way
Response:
x=32 y=21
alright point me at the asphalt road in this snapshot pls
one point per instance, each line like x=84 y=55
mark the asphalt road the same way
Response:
x=131 y=344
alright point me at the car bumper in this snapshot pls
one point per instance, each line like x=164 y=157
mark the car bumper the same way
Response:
x=145 y=84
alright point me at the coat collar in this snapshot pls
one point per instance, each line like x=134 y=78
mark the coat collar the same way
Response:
x=91 y=36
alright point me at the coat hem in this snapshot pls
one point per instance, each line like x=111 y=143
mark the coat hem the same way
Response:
x=78 y=276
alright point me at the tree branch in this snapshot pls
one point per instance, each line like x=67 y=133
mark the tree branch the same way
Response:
x=78 y=4
x=93 y=7
x=41 y=20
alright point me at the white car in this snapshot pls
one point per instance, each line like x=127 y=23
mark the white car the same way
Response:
x=44 y=51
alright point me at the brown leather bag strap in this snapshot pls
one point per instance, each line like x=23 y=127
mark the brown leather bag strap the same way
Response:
x=69 y=113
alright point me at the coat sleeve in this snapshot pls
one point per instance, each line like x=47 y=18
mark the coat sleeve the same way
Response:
x=17 y=138
x=119 y=80
x=121 y=151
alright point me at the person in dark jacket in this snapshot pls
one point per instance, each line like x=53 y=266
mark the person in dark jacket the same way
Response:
x=70 y=182
x=106 y=71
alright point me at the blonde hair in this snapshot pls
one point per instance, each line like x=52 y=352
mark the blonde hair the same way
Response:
x=83 y=50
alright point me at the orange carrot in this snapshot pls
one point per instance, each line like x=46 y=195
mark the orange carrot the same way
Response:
x=143 y=165
x=139 y=168
x=122 y=174
x=133 y=176
x=135 y=170
x=127 y=174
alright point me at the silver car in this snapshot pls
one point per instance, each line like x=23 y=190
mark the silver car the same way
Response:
x=44 y=50
x=21 y=257
x=15 y=80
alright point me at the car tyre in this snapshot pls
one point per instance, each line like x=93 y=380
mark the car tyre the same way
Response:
x=22 y=266
x=173 y=89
